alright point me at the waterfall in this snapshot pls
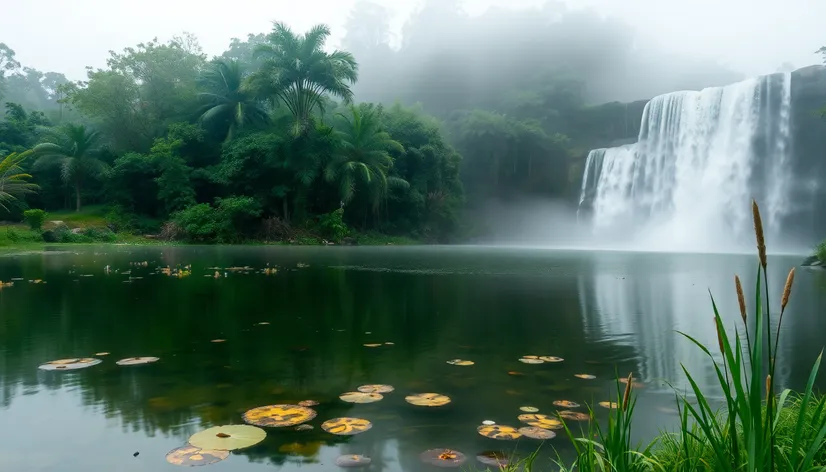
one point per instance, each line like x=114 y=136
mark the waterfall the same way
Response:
x=700 y=157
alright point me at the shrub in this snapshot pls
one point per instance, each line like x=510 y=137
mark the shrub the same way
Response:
x=229 y=221
x=34 y=218
x=333 y=226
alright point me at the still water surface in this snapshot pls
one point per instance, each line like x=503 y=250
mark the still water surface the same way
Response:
x=604 y=312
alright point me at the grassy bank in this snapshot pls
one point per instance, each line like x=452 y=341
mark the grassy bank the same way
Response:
x=760 y=429
x=98 y=225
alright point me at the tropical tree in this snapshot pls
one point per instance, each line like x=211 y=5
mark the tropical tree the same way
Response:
x=297 y=72
x=74 y=151
x=227 y=106
x=362 y=157
x=14 y=182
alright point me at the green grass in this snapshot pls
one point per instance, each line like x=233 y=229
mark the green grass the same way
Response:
x=90 y=216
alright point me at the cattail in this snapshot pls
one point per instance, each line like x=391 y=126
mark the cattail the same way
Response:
x=787 y=290
x=758 y=232
x=741 y=300
x=719 y=337
x=627 y=395
x=769 y=393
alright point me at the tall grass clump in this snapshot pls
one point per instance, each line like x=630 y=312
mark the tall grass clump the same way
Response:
x=757 y=430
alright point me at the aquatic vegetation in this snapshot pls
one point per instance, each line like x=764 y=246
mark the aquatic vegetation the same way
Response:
x=531 y=360
x=609 y=405
x=137 y=360
x=585 y=376
x=460 y=362
x=447 y=458
x=529 y=409
x=346 y=426
x=566 y=404
x=70 y=364
x=552 y=359
x=307 y=403
x=535 y=432
x=427 y=399
x=376 y=388
x=278 y=416
x=360 y=397
x=500 y=432
x=353 y=460
x=228 y=438
x=540 y=421
x=191 y=456
x=493 y=458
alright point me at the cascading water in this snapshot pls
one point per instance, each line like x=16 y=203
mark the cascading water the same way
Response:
x=701 y=156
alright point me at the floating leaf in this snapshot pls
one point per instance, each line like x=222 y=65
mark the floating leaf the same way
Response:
x=515 y=373
x=372 y=345
x=499 y=432
x=488 y=423
x=137 y=360
x=304 y=427
x=277 y=416
x=460 y=362
x=346 y=426
x=609 y=405
x=537 y=433
x=375 y=388
x=541 y=421
x=263 y=323
x=191 y=456
x=530 y=360
x=353 y=460
x=218 y=340
x=530 y=357
x=551 y=359
x=443 y=458
x=586 y=376
x=574 y=415
x=566 y=404
x=101 y=353
x=494 y=458
x=70 y=364
x=307 y=403
x=360 y=397
x=427 y=399
x=529 y=409
x=228 y=438
x=389 y=344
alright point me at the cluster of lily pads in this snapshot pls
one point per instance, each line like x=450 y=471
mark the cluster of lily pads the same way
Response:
x=84 y=362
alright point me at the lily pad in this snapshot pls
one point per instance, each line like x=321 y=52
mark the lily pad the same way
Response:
x=551 y=359
x=585 y=376
x=346 y=426
x=101 y=354
x=529 y=409
x=218 y=341
x=447 y=458
x=137 y=360
x=493 y=458
x=541 y=421
x=609 y=405
x=191 y=456
x=70 y=364
x=566 y=404
x=307 y=403
x=500 y=432
x=574 y=415
x=460 y=362
x=304 y=427
x=375 y=388
x=427 y=399
x=488 y=423
x=353 y=460
x=228 y=438
x=373 y=345
x=277 y=416
x=534 y=432
x=531 y=360
x=360 y=397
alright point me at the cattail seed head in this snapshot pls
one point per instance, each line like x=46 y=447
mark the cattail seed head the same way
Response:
x=769 y=393
x=787 y=289
x=627 y=395
x=758 y=232
x=719 y=337
x=741 y=299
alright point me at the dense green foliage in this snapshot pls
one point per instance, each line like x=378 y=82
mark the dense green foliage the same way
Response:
x=163 y=128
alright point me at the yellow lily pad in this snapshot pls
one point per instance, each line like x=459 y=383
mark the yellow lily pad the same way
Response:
x=277 y=416
x=373 y=345
x=360 y=397
x=70 y=364
x=541 y=421
x=566 y=404
x=376 y=388
x=500 y=432
x=531 y=360
x=101 y=354
x=218 y=341
x=427 y=399
x=585 y=376
x=228 y=438
x=446 y=458
x=307 y=403
x=609 y=405
x=137 y=360
x=529 y=409
x=191 y=456
x=551 y=359
x=346 y=426
x=534 y=432
x=574 y=415
x=460 y=362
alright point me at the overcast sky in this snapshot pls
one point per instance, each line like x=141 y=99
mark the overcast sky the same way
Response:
x=752 y=36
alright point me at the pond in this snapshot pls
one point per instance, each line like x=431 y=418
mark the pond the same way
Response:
x=299 y=333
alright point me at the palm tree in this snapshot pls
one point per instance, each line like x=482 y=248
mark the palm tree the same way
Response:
x=228 y=106
x=13 y=181
x=297 y=72
x=74 y=152
x=363 y=157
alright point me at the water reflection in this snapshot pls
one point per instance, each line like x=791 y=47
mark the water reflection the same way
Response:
x=602 y=312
